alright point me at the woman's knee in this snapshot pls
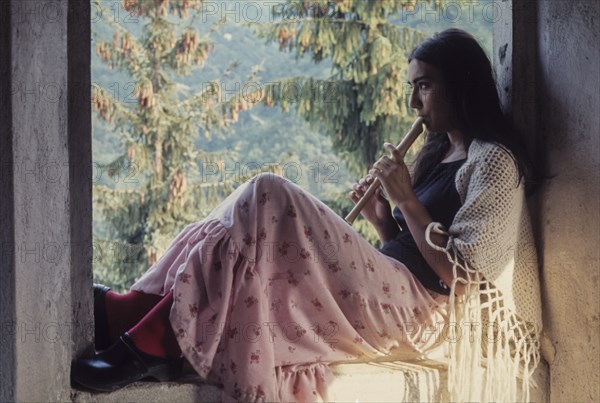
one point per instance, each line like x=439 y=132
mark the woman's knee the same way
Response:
x=267 y=181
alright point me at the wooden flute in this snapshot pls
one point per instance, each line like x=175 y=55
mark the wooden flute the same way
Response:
x=407 y=141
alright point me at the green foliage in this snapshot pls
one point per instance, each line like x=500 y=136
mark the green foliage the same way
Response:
x=363 y=103
x=166 y=110
x=157 y=126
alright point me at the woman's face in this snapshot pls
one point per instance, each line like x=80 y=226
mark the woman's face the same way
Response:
x=429 y=96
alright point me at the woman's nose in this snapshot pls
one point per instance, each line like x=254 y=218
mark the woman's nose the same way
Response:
x=415 y=99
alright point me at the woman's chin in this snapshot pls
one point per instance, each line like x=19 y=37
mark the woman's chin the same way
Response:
x=431 y=128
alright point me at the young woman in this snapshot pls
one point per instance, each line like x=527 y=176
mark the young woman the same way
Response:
x=272 y=286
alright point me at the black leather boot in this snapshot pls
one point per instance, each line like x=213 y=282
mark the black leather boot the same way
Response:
x=101 y=335
x=123 y=363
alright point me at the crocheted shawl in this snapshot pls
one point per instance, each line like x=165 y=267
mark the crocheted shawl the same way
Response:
x=494 y=329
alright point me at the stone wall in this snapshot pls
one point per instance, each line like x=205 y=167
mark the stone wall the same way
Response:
x=568 y=87
x=547 y=60
x=45 y=196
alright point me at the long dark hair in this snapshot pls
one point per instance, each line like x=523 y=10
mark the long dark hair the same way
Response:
x=471 y=90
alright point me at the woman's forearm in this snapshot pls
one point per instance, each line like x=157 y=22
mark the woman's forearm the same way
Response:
x=418 y=218
x=387 y=231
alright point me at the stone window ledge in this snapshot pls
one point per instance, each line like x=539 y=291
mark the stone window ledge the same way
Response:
x=383 y=381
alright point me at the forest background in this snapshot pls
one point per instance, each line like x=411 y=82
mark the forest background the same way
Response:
x=243 y=50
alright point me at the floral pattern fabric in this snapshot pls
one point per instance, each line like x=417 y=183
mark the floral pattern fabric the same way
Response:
x=273 y=285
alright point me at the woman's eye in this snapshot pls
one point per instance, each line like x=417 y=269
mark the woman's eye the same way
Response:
x=423 y=86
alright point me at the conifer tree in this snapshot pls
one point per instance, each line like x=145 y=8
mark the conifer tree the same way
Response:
x=161 y=187
x=364 y=102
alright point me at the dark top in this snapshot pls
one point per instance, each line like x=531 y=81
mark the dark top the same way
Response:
x=438 y=194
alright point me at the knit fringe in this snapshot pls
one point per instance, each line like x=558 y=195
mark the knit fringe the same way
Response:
x=490 y=349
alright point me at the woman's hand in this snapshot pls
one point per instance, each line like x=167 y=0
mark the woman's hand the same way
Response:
x=377 y=211
x=394 y=176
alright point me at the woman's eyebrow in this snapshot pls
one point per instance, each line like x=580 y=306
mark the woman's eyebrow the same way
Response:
x=423 y=77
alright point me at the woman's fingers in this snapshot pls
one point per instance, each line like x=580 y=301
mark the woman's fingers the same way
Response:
x=363 y=184
x=385 y=164
x=367 y=180
x=355 y=196
x=382 y=168
x=356 y=193
x=359 y=189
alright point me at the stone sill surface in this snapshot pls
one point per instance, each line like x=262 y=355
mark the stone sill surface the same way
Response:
x=395 y=381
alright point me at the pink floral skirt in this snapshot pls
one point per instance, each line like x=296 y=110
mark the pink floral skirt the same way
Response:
x=273 y=285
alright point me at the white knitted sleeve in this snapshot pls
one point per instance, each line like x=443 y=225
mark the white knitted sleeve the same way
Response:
x=484 y=230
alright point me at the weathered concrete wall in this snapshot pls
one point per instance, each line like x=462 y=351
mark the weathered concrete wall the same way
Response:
x=45 y=195
x=514 y=50
x=7 y=306
x=547 y=60
x=80 y=173
x=569 y=125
